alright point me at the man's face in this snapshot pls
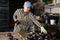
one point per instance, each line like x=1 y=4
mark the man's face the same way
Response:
x=26 y=9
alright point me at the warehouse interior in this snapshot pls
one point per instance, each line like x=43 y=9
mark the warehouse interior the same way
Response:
x=42 y=9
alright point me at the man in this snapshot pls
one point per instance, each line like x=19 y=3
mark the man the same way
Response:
x=24 y=19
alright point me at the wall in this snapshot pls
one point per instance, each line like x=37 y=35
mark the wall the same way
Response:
x=53 y=10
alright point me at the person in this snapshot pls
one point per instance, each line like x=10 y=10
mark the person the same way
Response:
x=24 y=19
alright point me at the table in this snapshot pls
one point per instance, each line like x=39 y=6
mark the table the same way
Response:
x=3 y=35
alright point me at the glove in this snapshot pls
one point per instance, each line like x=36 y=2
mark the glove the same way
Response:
x=43 y=30
x=17 y=22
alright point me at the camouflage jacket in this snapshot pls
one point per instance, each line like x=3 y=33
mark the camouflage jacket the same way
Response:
x=25 y=20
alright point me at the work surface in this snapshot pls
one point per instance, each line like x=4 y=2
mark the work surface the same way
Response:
x=4 y=36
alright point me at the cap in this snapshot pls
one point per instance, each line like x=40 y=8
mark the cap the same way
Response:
x=28 y=4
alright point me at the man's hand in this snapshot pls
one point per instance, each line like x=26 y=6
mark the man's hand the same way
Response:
x=43 y=30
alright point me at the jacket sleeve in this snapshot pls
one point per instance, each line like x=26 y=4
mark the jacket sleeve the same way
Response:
x=15 y=15
x=37 y=23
